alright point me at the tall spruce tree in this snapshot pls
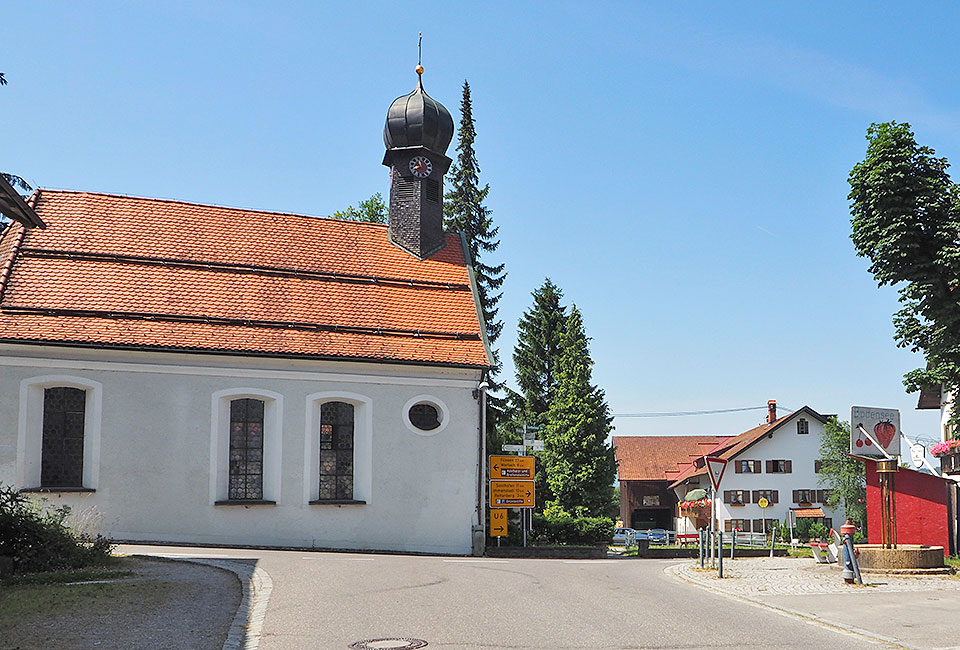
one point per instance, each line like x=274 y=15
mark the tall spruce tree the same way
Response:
x=463 y=211
x=537 y=355
x=580 y=463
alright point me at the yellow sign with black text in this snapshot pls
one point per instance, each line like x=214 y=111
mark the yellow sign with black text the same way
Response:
x=515 y=467
x=511 y=494
x=498 y=522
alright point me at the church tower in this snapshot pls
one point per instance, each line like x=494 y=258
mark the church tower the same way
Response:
x=417 y=134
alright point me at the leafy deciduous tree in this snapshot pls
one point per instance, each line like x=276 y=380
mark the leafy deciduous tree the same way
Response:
x=844 y=476
x=373 y=210
x=906 y=220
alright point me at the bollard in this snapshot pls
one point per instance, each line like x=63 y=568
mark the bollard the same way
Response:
x=719 y=554
x=773 y=540
x=851 y=572
x=733 y=542
x=701 y=546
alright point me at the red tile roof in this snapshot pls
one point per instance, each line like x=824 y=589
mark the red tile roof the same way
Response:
x=731 y=447
x=807 y=512
x=655 y=458
x=118 y=271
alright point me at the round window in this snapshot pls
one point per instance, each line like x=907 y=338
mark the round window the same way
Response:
x=425 y=417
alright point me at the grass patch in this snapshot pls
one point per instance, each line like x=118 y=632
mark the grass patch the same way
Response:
x=113 y=568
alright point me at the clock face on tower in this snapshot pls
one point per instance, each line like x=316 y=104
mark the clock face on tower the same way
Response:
x=420 y=166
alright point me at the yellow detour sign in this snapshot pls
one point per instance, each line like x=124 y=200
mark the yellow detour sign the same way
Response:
x=763 y=503
x=511 y=494
x=498 y=522
x=511 y=467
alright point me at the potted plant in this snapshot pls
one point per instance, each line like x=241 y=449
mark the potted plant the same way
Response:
x=948 y=452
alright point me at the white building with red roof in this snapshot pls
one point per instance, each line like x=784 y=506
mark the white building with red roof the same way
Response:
x=211 y=375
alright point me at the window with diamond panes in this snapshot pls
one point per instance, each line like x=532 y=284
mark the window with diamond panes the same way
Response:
x=246 y=449
x=336 y=451
x=61 y=460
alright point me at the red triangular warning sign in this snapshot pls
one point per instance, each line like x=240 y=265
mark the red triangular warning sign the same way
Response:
x=716 y=467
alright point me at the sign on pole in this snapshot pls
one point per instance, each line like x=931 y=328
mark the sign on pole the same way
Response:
x=918 y=454
x=882 y=427
x=518 y=448
x=512 y=467
x=498 y=523
x=716 y=467
x=511 y=494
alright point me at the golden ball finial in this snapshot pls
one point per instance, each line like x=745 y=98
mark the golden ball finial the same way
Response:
x=419 y=69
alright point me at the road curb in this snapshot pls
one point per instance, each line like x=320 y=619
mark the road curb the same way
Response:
x=256 y=584
x=675 y=571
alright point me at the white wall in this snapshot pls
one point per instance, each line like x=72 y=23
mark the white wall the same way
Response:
x=785 y=444
x=157 y=474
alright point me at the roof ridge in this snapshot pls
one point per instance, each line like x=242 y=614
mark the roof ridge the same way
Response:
x=208 y=205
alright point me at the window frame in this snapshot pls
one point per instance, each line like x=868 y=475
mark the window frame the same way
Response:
x=362 y=448
x=220 y=446
x=432 y=400
x=803 y=427
x=30 y=431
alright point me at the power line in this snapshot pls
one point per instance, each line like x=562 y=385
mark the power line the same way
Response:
x=669 y=414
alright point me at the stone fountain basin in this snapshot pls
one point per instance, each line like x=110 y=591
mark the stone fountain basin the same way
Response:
x=905 y=558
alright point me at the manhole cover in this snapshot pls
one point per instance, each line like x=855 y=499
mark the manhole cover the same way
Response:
x=388 y=644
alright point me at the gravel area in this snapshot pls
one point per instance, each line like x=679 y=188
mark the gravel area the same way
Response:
x=168 y=605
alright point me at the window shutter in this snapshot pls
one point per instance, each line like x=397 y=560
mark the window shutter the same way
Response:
x=756 y=466
x=820 y=498
x=757 y=525
x=796 y=496
x=776 y=496
x=816 y=466
x=788 y=466
x=726 y=496
x=738 y=467
x=756 y=495
x=746 y=496
x=769 y=466
x=728 y=525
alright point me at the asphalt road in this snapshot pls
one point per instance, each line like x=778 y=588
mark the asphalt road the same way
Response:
x=330 y=600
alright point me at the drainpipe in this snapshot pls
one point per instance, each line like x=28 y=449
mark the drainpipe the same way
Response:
x=480 y=529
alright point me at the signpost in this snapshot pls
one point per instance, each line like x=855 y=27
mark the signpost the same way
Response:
x=511 y=494
x=511 y=467
x=715 y=468
x=498 y=523
x=874 y=431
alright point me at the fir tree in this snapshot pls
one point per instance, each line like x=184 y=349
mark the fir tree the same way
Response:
x=537 y=355
x=580 y=463
x=463 y=211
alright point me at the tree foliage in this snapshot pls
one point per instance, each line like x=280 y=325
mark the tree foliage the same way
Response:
x=906 y=220
x=536 y=356
x=373 y=210
x=844 y=476
x=580 y=463
x=464 y=211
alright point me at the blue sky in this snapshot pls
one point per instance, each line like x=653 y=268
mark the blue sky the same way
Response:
x=680 y=171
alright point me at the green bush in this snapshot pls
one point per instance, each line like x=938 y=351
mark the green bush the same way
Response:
x=556 y=526
x=38 y=539
x=818 y=531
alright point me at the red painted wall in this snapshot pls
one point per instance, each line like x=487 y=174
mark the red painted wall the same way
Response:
x=922 y=513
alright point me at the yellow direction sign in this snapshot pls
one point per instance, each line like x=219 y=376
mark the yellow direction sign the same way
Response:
x=511 y=467
x=498 y=522
x=763 y=503
x=511 y=494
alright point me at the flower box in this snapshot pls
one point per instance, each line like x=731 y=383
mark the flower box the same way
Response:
x=948 y=452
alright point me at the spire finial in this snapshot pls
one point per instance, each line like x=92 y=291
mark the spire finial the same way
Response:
x=420 y=56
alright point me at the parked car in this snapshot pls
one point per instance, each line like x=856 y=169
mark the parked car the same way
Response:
x=621 y=536
x=658 y=536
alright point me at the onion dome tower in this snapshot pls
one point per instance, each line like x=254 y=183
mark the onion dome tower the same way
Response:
x=416 y=135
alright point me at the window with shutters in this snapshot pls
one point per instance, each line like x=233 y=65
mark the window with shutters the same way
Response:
x=779 y=466
x=740 y=525
x=803 y=427
x=804 y=497
x=747 y=467
x=336 y=451
x=772 y=496
x=61 y=456
x=763 y=525
x=736 y=497
x=246 y=450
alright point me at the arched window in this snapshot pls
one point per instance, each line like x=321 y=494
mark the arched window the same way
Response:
x=61 y=456
x=336 y=451
x=246 y=449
